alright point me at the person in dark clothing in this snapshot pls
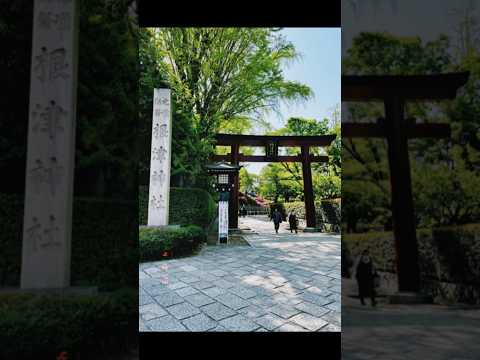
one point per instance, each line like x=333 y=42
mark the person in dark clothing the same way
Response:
x=365 y=274
x=277 y=219
x=292 y=219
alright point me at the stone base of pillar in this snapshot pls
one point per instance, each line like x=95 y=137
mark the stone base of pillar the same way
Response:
x=409 y=298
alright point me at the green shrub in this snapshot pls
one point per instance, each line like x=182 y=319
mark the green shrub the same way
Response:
x=87 y=327
x=326 y=211
x=104 y=242
x=187 y=206
x=178 y=241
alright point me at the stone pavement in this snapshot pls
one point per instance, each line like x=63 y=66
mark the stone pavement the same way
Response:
x=407 y=332
x=284 y=282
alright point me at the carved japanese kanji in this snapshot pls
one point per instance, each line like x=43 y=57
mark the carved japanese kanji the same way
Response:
x=50 y=65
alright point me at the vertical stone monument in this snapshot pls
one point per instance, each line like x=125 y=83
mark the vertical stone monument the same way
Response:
x=51 y=146
x=223 y=218
x=160 y=159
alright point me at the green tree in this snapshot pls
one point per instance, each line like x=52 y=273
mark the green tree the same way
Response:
x=220 y=74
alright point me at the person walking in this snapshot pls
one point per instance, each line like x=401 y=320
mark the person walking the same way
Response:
x=365 y=275
x=277 y=219
x=293 y=221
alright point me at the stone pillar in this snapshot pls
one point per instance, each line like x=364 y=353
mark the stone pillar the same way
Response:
x=223 y=218
x=47 y=221
x=160 y=159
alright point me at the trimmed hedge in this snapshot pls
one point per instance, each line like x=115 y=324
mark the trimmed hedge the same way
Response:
x=86 y=327
x=187 y=206
x=104 y=242
x=177 y=242
x=449 y=259
x=326 y=211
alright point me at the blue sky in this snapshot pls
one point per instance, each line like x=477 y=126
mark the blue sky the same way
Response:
x=318 y=67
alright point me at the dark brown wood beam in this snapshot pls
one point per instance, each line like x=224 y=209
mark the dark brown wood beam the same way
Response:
x=283 y=141
x=261 y=158
x=415 y=87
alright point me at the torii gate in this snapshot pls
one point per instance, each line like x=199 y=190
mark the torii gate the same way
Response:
x=271 y=144
x=394 y=91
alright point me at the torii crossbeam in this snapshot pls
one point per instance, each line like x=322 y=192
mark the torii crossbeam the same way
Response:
x=394 y=91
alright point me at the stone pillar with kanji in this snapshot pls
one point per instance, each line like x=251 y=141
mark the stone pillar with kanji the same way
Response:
x=160 y=159
x=47 y=221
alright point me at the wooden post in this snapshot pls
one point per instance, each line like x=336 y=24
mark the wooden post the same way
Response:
x=233 y=204
x=402 y=201
x=308 y=187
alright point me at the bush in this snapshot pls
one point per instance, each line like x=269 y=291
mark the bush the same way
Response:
x=449 y=259
x=104 y=242
x=87 y=327
x=326 y=211
x=187 y=206
x=176 y=241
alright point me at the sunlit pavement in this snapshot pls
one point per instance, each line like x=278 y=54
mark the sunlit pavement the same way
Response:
x=407 y=331
x=284 y=282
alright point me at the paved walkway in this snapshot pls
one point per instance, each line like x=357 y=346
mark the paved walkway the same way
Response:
x=407 y=332
x=284 y=282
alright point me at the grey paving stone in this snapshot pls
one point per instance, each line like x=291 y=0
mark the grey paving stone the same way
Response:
x=253 y=311
x=189 y=279
x=157 y=290
x=217 y=311
x=183 y=310
x=316 y=299
x=270 y=321
x=232 y=301
x=312 y=309
x=218 y=329
x=199 y=322
x=289 y=327
x=166 y=323
x=188 y=268
x=239 y=323
x=319 y=291
x=335 y=306
x=202 y=285
x=151 y=270
x=142 y=326
x=151 y=311
x=176 y=285
x=242 y=292
x=144 y=299
x=168 y=299
x=331 y=328
x=187 y=291
x=223 y=284
x=333 y=317
x=214 y=291
x=219 y=273
x=284 y=311
x=309 y=322
x=199 y=299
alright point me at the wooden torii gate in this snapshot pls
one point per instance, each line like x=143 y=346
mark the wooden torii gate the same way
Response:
x=394 y=91
x=271 y=144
